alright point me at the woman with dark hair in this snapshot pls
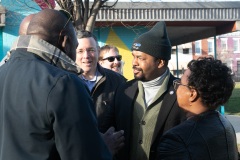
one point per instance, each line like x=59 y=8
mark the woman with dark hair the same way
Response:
x=206 y=134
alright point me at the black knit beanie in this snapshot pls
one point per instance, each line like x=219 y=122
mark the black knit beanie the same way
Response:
x=154 y=42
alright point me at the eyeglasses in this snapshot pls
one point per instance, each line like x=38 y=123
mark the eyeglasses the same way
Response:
x=177 y=83
x=68 y=15
x=89 y=50
x=112 y=58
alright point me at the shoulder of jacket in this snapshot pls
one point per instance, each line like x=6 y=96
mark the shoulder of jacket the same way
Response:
x=111 y=74
x=130 y=84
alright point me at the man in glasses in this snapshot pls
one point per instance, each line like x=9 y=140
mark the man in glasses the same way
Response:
x=100 y=81
x=109 y=58
x=46 y=111
x=146 y=106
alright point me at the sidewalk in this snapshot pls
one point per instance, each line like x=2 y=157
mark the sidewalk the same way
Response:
x=235 y=120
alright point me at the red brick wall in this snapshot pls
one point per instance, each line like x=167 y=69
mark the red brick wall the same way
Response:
x=204 y=47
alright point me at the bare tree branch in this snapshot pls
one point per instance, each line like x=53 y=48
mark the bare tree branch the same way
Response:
x=60 y=3
x=78 y=14
x=66 y=5
x=111 y=5
x=84 y=16
x=92 y=19
x=48 y=4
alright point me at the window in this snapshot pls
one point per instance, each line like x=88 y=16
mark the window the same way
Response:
x=185 y=50
x=238 y=69
x=236 y=45
x=174 y=51
x=210 y=46
x=197 y=47
x=224 y=44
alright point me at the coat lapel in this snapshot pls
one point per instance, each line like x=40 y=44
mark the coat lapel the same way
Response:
x=131 y=93
x=167 y=104
x=128 y=103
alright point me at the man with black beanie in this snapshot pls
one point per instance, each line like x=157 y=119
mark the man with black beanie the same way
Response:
x=146 y=106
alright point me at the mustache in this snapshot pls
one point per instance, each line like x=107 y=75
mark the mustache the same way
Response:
x=116 y=65
x=135 y=68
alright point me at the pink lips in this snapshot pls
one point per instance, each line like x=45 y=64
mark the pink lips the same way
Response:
x=88 y=63
x=135 y=71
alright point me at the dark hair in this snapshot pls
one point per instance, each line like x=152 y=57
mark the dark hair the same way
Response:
x=212 y=80
x=86 y=34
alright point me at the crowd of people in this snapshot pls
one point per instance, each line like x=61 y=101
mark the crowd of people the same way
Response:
x=62 y=96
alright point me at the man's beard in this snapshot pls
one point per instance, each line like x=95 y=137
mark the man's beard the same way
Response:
x=141 y=78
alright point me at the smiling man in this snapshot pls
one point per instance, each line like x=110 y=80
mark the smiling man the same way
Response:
x=146 y=107
x=100 y=81
x=109 y=58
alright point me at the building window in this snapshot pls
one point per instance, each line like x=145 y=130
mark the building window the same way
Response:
x=238 y=69
x=174 y=51
x=236 y=45
x=224 y=44
x=198 y=47
x=210 y=46
x=185 y=50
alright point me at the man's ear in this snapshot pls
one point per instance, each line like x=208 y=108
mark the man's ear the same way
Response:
x=64 y=42
x=100 y=62
x=161 y=63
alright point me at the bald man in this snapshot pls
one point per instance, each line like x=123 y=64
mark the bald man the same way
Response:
x=24 y=24
x=46 y=110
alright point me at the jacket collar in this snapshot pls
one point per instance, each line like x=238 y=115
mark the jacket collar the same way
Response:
x=100 y=69
x=46 y=51
x=166 y=107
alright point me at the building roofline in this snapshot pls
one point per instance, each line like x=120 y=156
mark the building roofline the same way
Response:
x=173 y=5
x=185 y=21
x=171 y=11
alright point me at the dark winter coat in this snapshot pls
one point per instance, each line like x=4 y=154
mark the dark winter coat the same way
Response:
x=204 y=137
x=121 y=113
x=46 y=112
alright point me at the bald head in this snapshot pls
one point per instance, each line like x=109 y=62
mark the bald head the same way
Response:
x=47 y=25
x=56 y=28
x=24 y=24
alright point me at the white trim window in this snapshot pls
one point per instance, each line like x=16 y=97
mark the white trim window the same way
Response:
x=236 y=45
x=210 y=46
x=198 y=47
x=224 y=46
x=238 y=68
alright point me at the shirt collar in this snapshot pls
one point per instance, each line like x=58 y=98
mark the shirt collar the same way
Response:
x=46 y=51
x=157 y=81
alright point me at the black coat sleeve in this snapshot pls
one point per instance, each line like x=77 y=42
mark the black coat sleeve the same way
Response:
x=72 y=116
